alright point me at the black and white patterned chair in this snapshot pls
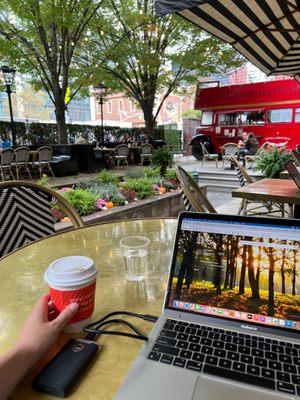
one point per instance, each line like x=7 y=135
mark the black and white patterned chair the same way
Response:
x=193 y=197
x=25 y=214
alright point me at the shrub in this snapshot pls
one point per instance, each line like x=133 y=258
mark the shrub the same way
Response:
x=104 y=190
x=134 y=174
x=162 y=158
x=119 y=200
x=168 y=186
x=82 y=200
x=107 y=177
x=171 y=175
x=129 y=194
x=151 y=173
x=271 y=162
x=87 y=183
x=143 y=187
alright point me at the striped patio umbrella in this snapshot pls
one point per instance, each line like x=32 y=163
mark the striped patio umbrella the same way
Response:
x=266 y=32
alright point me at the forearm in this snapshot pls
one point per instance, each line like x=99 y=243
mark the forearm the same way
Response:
x=13 y=367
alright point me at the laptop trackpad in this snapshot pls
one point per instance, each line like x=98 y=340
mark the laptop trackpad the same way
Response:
x=213 y=389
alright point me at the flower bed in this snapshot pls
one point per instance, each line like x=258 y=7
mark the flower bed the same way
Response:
x=108 y=191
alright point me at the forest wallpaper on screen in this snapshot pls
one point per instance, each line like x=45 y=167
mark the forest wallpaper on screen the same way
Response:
x=242 y=273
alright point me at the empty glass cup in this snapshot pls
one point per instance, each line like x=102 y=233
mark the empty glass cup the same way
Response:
x=135 y=254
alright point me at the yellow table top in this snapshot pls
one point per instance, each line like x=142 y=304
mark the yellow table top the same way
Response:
x=21 y=277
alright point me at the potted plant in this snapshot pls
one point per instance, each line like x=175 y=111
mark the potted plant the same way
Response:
x=162 y=158
x=271 y=162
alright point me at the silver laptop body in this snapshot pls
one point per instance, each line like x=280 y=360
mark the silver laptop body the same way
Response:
x=230 y=323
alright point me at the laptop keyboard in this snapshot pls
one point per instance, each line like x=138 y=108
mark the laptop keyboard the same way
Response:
x=263 y=362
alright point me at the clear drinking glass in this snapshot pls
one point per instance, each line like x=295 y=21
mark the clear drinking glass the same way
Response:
x=135 y=254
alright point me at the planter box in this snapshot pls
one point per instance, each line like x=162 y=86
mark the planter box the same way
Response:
x=167 y=205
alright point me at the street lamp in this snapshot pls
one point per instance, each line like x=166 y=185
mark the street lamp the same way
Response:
x=9 y=78
x=101 y=91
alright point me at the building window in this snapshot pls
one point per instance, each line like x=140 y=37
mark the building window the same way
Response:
x=132 y=105
x=120 y=105
x=109 y=107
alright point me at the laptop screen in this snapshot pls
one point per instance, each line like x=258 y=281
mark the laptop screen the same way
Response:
x=293 y=171
x=242 y=271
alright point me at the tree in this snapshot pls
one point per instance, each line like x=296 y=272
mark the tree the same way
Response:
x=44 y=38
x=153 y=55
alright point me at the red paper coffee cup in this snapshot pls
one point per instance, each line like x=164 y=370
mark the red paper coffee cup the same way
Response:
x=73 y=279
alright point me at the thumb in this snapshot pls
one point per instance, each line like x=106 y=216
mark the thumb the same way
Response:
x=65 y=316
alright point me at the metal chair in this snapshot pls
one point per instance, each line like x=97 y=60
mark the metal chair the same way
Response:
x=270 y=207
x=26 y=215
x=44 y=158
x=193 y=197
x=146 y=151
x=208 y=156
x=228 y=150
x=120 y=155
x=20 y=163
x=6 y=163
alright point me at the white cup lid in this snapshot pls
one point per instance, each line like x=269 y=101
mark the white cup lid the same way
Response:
x=71 y=271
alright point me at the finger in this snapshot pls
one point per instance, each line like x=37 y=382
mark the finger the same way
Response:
x=41 y=308
x=65 y=316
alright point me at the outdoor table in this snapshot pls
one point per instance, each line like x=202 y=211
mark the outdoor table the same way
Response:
x=21 y=275
x=281 y=191
x=106 y=151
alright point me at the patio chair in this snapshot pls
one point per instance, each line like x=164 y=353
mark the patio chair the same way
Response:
x=208 y=156
x=21 y=160
x=146 y=151
x=250 y=158
x=193 y=197
x=296 y=156
x=120 y=155
x=44 y=158
x=229 y=150
x=26 y=216
x=6 y=163
x=270 y=207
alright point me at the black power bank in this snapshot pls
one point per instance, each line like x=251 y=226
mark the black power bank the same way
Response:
x=62 y=372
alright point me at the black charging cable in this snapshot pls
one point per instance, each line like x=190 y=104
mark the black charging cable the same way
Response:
x=95 y=328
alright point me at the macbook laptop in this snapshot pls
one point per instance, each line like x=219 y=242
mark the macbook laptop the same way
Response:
x=293 y=171
x=230 y=323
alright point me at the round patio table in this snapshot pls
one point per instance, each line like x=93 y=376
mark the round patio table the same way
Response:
x=21 y=276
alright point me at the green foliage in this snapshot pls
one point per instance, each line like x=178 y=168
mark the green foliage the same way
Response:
x=129 y=194
x=143 y=187
x=82 y=200
x=104 y=190
x=271 y=162
x=190 y=113
x=108 y=177
x=151 y=173
x=44 y=180
x=163 y=159
x=118 y=200
x=134 y=173
x=171 y=175
x=87 y=183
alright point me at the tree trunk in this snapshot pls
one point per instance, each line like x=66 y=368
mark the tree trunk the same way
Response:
x=186 y=264
x=61 y=125
x=217 y=278
x=269 y=252
x=243 y=271
x=294 y=272
x=254 y=284
x=283 y=272
x=149 y=120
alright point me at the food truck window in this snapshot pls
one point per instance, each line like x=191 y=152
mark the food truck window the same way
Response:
x=297 y=115
x=207 y=118
x=281 y=115
x=228 y=119
x=252 y=118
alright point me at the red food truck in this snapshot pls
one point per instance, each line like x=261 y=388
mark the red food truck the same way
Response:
x=270 y=110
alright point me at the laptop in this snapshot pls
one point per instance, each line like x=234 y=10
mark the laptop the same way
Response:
x=293 y=171
x=230 y=323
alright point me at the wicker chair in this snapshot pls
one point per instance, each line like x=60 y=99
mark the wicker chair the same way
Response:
x=20 y=163
x=208 y=156
x=44 y=158
x=146 y=151
x=260 y=207
x=6 y=163
x=25 y=214
x=193 y=197
x=120 y=155
x=228 y=150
